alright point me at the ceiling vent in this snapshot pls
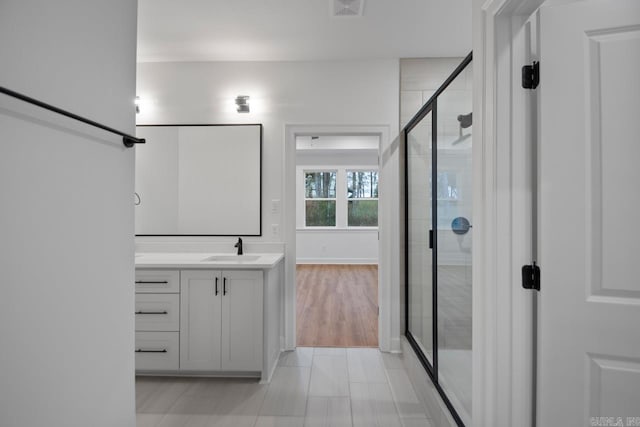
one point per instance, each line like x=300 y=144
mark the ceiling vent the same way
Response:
x=347 y=7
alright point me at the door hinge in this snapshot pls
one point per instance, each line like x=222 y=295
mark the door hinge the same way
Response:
x=531 y=277
x=531 y=75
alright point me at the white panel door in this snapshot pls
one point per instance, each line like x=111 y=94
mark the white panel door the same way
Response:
x=589 y=211
x=200 y=297
x=241 y=348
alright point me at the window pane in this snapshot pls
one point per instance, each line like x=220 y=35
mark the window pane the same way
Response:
x=362 y=213
x=320 y=213
x=362 y=184
x=320 y=185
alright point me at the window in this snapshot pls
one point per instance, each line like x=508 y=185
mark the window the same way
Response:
x=362 y=194
x=320 y=198
x=340 y=198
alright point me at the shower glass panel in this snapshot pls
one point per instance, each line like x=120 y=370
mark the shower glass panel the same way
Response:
x=454 y=207
x=419 y=223
x=438 y=236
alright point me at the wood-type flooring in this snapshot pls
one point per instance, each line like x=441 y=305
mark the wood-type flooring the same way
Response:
x=337 y=305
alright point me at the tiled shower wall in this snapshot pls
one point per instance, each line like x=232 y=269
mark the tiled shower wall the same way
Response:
x=419 y=79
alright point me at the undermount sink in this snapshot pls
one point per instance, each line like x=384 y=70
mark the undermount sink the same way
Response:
x=231 y=258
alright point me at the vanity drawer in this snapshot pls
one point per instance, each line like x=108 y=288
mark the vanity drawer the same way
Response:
x=158 y=312
x=157 y=351
x=157 y=281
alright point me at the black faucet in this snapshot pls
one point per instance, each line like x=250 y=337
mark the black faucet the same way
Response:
x=239 y=246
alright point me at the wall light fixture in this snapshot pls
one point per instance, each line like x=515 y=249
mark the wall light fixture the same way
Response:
x=242 y=104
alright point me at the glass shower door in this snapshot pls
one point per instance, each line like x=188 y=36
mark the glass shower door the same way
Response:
x=419 y=224
x=454 y=208
x=438 y=231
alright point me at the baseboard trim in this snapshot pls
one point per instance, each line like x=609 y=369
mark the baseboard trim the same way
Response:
x=337 y=261
x=271 y=370
x=396 y=345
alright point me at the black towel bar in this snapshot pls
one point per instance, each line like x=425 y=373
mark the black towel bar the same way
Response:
x=127 y=140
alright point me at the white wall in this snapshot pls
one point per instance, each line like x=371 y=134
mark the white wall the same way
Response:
x=337 y=246
x=66 y=310
x=334 y=93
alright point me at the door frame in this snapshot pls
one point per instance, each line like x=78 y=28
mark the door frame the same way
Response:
x=504 y=132
x=388 y=302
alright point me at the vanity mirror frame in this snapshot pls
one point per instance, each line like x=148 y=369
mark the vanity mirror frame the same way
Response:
x=261 y=160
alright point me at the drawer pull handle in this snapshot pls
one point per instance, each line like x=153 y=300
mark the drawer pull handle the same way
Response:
x=164 y=350
x=152 y=312
x=161 y=282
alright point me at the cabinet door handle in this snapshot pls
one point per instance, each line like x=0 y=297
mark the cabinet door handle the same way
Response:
x=217 y=286
x=139 y=350
x=224 y=286
x=161 y=282
x=152 y=312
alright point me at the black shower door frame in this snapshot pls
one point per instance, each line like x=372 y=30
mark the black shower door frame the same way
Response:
x=430 y=107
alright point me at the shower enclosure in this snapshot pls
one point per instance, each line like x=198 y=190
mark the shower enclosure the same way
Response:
x=438 y=233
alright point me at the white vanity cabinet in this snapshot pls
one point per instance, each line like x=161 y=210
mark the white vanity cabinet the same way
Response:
x=201 y=317
x=221 y=320
x=157 y=314
x=242 y=320
x=200 y=320
x=157 y=281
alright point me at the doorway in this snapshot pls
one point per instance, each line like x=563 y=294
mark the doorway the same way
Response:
x=336 y=192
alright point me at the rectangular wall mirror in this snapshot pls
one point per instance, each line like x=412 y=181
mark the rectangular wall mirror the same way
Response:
x=199 y=180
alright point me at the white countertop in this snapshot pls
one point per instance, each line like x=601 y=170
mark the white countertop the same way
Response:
x=196 y=260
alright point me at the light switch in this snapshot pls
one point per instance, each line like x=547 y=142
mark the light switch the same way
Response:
x=275 y=206
x=275 y=229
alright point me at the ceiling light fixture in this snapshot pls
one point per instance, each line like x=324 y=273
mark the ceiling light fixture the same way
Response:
x=242 y=104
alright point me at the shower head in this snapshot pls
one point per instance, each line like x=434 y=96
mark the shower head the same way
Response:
x=466 y=120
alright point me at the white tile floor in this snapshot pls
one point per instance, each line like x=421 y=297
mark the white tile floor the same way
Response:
x=311 y=387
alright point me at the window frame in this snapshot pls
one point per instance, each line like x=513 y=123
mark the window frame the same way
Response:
x=341 y=199
x=305 y=171
x=348 y=199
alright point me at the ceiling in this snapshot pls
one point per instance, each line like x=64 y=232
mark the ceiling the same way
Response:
x=300 y=30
